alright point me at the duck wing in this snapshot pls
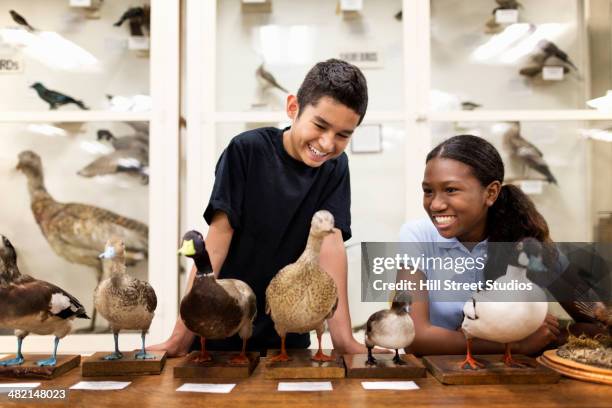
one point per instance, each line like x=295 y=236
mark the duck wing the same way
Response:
x=120 y=160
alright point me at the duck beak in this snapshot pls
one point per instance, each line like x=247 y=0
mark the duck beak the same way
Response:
x=187 y=249
x=109 y=253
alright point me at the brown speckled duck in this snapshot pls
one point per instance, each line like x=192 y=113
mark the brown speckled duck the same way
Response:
x=302 y=295
x=29 y=305
x=126 y=302
x=216 y=308
x=392 y=328
x=78 y=232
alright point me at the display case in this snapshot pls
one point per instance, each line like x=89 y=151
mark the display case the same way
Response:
x=86 y=97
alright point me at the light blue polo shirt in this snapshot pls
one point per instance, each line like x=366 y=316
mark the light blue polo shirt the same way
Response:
x=447 y=314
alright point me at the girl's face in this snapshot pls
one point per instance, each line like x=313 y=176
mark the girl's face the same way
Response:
x=456 y=201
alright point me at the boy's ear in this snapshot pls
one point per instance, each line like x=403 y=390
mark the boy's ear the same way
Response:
x=292 y=106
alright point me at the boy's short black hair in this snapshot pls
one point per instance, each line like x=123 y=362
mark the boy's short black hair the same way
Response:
x=338 y=80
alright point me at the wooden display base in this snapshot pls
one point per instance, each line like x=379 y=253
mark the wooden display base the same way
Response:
x=447 y=370
x=96 y=366
x=29 y=369
x=301 y=365
x=356 y=366
x=575 y=369
x=219 y=367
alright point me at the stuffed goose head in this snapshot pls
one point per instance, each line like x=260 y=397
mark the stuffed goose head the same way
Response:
x=8 y=261
x=114 y=249
x=529 y=256
x=29 y=162
x=322 y=224
x=401 y=302
x=194 y=247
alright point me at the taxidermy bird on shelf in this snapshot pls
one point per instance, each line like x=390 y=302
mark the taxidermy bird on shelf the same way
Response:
x=547 y=53
x=302 y=296
x=19 y=19
x=78 y=232
x=29 y=305
x=267 y=80
x=507 y=316
x=125 y=302
x=131 y=156
x=492 y=26
x=526 y=152
x=138 y=17
x=215 y=308
x=392 y=329
x=54 y=98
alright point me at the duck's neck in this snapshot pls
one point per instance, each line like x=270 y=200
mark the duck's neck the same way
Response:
x=117 y=269
x=9 y=275
x=399 y=308
x=202 y=263
x=36 y=186
x=516 y=272
x=313 y=249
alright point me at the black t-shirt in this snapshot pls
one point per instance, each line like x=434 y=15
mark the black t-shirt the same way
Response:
x=270 y=198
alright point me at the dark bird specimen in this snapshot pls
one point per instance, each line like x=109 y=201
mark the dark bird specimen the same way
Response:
x=469 y=106
x=526 y=152
x=126 y=302
x=399 y=15
x=78 y=232
x=547 y=53
x=138 y=141
x=29 y=305
x=507 y=5
x=550 y=49
x=392 y=329
x=54 y=98
x=267 y=79
x=216 y=308
x=133 y=13
x=18 y=18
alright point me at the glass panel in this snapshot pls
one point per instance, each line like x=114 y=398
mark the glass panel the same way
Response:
x=75 y=51
x=290 y=42
x=476 y=60
x=377 y=195
x=578 y=155
x=66 y=254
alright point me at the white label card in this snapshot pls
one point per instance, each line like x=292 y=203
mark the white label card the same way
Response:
x=80 y=3
x=100 y=385
x=389 y=385
x=363 y=59
x=7 y=387
x=138 y=42
x=506 y=16
x=532 y=186
x=552 y=73
x=212 y=388
x=305 y=386
x=11 y=64
x=351 y=5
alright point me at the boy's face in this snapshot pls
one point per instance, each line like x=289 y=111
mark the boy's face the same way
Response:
x=321 y=132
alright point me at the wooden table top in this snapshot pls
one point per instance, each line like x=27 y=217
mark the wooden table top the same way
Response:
x=256 y=391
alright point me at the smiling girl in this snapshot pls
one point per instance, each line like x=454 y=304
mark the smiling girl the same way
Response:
x=468 y=207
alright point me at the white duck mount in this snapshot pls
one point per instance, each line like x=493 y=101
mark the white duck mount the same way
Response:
x=392 y=328
x=489 y=318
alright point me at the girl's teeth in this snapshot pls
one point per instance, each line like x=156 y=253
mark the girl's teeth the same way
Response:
x=444 y=220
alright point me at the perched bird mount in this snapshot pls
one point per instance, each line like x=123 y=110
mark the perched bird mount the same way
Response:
x=29 y=305
x=78 y=232
x=525 y=152
x=392 y=329
x=138 y=18
x=19 y=19
x=125 y=302
x=54 y=98
x=266 y=82
x=492 y=26
x=216 y=308
x=302 y=296
x=547 y=53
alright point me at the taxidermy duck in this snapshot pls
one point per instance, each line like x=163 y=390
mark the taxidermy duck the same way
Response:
x=392 y=329
x=78 y=232
x=126 y=302
x=140 y=140
x=133 y=162
x=29 y=305
x=489 y=318
x=216 y=308
x=302 y=295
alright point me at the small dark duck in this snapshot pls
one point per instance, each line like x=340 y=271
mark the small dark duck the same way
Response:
x=29 y=305
x=392 y=329
x=126 y=302
x=216 y=308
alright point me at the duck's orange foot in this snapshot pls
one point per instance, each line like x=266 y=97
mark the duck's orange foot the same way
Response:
x=204 y=357
x=510 y=362
x=240 y=359
x=320 y=357
x=279 y=358
x=471 y=363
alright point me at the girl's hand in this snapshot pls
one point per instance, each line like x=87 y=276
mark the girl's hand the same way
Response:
x=546 y=333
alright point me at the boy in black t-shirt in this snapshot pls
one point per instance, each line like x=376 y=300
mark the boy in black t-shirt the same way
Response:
x=268 y=184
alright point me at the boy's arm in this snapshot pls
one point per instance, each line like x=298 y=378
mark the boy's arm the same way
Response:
x=333 y=261
x=217 y=242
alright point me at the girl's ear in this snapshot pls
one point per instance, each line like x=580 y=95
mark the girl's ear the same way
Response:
x=492 y=192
